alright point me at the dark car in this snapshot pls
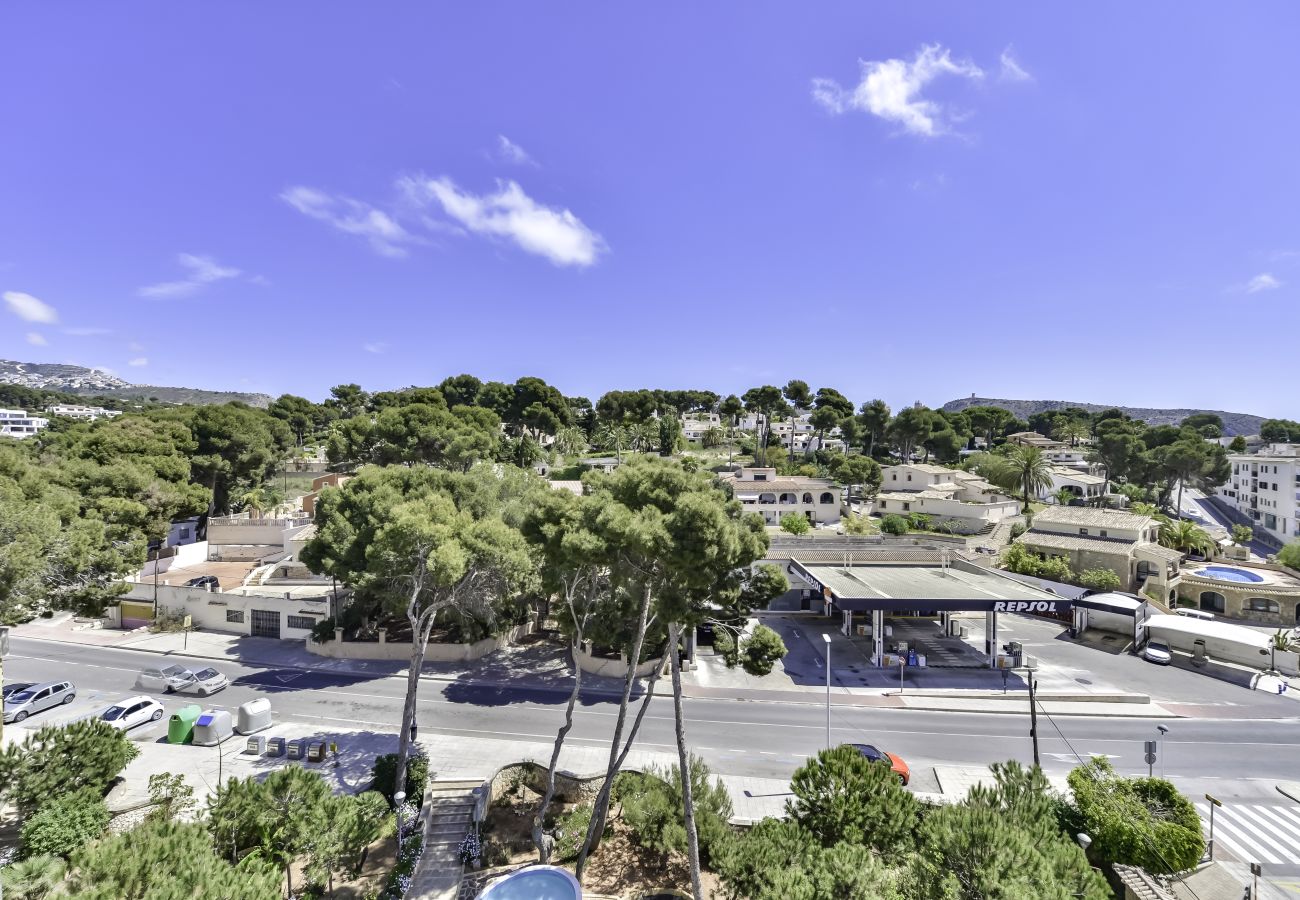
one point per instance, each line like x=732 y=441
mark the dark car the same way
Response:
x=204 y=581
x=895 y=763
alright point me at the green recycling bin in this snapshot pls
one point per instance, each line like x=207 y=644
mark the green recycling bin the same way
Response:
x=180 y=729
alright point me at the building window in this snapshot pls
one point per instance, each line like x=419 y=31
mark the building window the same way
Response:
x=760 y=476
x=906 y=507
x=1213 y=601
x=807 y=498
x=235 y=615
x=1262 y=604
x=1104 y=533
x=302 y=622
x=909 y=476
x=827 y=498
x=883 y=505
x=1083 y=531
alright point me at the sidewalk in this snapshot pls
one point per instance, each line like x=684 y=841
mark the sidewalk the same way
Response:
x=538 y=667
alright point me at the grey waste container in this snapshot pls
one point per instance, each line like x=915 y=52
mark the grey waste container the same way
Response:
x=254 y=716
x=213 y=727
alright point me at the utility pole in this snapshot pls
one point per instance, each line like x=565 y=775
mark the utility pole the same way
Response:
x=1033 y=716
x=4 y=651
x=1214 y=802
x=827 y=639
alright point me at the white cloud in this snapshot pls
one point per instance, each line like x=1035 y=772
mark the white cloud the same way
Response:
x=1012 y=70
x=554 y=233
x=1264 y=281
x=81 y=331
x=203 y=270
x=350 y=216
x=29 y=309
x=139 y=361
x=891 y=89
x=509 y=151
x=36 y=339
x=135 y=346
x=374 y=346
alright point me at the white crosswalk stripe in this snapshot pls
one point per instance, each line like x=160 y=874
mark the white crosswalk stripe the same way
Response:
x=1256 y=832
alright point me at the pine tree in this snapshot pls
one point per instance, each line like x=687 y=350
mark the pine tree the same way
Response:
x=841 y=796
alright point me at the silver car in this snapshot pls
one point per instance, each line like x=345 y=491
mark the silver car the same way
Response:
x=36 y=697
x=164 y=678
x=204 y=682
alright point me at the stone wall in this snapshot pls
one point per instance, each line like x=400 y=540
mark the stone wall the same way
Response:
x=384 y=649
x=613 y=668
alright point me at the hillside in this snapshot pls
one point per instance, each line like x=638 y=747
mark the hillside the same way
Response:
x=1233 y=423
x=98 y=383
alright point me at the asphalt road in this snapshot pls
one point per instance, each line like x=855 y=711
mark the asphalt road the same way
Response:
x=751 y=737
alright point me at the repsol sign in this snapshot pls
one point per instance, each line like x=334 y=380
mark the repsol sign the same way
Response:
x=1025 y=606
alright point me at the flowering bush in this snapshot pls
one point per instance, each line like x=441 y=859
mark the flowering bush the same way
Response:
x=399 y=879
x=470 y=848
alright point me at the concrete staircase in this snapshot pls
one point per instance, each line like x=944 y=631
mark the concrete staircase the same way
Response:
x=449 y=815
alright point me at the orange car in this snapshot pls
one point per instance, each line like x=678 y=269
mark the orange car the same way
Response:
x=895 y=763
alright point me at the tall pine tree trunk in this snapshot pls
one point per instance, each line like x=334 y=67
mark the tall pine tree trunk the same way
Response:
x=540 y=838
x=597 y=827
x=420 y=627
x=683 y=762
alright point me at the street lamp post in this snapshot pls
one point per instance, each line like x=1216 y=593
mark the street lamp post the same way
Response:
x=1163 y=731
x=399 y=800
x=1210 y=845
x=826 y=639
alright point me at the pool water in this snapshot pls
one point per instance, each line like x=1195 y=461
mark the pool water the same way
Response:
x=1226 y=573
x=535 y=883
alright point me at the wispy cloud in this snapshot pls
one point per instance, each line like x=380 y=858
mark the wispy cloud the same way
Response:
x=135 y=346
x=374 y=346
x=381 y=230
x=552 y=232
x=891 y=90
x=202 y=271
x=1264 y=281
x=29 y=308
x=1010 y=70
x=139 y=361
x=510 y=152
x=36 y=339
x=83 y=331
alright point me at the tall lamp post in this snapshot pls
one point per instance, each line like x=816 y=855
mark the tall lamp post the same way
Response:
x=399 y=800
x=1163 y=731
x=4 y=651
x=826 y=639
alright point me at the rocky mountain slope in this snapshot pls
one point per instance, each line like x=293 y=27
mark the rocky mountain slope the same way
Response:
x=98 y=383
x=1233 y=423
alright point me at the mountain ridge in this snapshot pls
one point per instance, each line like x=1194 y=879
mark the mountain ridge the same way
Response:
x=90 y=382
x=1234 y=423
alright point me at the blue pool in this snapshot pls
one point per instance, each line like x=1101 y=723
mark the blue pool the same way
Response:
x=1226 y=573
x=535 y=883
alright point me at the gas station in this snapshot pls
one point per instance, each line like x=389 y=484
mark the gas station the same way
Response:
x=865 y=595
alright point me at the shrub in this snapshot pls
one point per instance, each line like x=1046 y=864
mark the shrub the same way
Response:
x=57 y=760
x=571 y=831
x=33 y=878
x=724 y=644
x=1099 y=580
x=1289 y=555
x=65 y=823
x=794 y=523
x=417 y=775
x=893 y=524
x=323 y=631
x=1136 y=821
x=1055 y=568
x=919 y=521
x=761 y=650
x=1017 y=529
x=840 y=795
x=171 y=796
x=653 y=808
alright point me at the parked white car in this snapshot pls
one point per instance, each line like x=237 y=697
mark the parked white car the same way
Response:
x=1157 y=653
x=1190 y=613
x=129 y=712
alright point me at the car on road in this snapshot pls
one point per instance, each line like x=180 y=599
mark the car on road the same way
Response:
x=895 y=763
x=127 y=713
x=37 y=697
x=204 y=682
x=1157 y=653
x=13 y=688
x=163 y=678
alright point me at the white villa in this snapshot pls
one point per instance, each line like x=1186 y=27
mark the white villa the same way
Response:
x=963 y=499
x=1082 y=484
x=770 y=495
x=16 y=423
x=695 y=425
x=75 y=411
x=1123 y=542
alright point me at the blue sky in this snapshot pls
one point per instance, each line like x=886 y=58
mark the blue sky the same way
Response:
x=915 y=202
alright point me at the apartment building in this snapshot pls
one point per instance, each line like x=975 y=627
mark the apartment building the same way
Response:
x=16 y=423
x=75 y=411
x=1266 y=487
x=963 y=500
x=762 y=491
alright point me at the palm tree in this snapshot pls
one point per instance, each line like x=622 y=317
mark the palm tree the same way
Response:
x=1032 y=471
x=254 y=501
x=33 y=878
x=570 y=441
x=1286 y=642
x=643 y=436
x=1183 y=535
x=1064 y=496
x=612 y=436
x=1071 y=430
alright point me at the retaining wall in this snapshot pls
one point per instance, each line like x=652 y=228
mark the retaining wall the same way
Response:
x=401 y=650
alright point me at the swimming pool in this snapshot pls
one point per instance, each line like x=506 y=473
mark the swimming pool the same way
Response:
x=535 y=883
x=1227 y=573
